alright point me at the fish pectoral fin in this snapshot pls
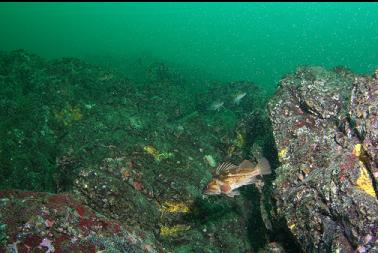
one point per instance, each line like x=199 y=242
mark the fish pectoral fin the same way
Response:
x=233 y=193
x=252 y=180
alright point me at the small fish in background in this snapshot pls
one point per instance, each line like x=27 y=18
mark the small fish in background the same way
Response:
x=375 y=75
x=239 y=96
x=216 y=106
x=229 y=177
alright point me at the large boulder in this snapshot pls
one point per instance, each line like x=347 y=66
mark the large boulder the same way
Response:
x=325 y=127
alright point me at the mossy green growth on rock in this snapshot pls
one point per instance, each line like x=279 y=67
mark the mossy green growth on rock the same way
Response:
x=126 y=148
x=69 y=115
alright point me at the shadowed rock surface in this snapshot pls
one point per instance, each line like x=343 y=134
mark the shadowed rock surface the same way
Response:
x=325 y=127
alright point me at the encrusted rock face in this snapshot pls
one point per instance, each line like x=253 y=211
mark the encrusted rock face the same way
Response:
x=42 y=222
x=364 y=113
x=325 y=128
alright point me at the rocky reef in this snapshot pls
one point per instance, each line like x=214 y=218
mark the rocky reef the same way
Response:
x=325 y=125
x=124 y=160
x=102 y=163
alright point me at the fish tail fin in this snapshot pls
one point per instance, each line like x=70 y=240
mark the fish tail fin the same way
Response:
x=263 y=166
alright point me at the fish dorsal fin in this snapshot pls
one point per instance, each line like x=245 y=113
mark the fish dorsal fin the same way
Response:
x=246 y=164
x=224 y=167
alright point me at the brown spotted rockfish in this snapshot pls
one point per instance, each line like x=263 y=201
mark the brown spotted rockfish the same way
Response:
x=228 y=177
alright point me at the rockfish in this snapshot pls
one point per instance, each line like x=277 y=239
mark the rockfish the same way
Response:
x=229 y=177
x=238 y=97
x=216 y=106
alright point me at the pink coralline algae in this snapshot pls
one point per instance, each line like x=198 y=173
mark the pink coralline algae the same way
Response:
x=59 y=224
x=49 y=223
x=47 y=243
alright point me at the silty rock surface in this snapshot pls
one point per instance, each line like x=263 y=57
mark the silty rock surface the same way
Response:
x=325 y=128
x=139 y=153
x=42 y=222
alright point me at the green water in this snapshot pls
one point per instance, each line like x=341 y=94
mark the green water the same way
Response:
x=230 y=41
x=154 y=137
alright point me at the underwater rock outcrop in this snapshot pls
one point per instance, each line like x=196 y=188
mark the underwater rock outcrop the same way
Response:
x=138 y=154
x=42 y=222
x=325 y=125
